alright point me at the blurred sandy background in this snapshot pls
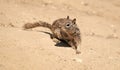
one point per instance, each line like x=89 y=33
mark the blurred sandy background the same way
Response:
x=98 y=20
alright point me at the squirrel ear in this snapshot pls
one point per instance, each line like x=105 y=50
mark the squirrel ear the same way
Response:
x=74 y=20
x=67 y=17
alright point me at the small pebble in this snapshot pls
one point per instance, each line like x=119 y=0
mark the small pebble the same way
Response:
x=77 y=60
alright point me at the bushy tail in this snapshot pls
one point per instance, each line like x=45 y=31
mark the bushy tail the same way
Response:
x=37 y=24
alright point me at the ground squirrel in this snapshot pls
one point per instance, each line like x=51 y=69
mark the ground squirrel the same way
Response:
x=63 y=29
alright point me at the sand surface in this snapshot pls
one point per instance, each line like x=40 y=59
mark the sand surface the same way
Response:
x=98 y=20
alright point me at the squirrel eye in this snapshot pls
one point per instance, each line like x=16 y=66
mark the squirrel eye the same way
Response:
x=68 y=24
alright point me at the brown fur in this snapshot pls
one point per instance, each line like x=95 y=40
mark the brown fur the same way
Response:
x=36 y=24
x=63 y=29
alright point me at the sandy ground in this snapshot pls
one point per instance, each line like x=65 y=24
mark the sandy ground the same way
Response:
x=98 y=20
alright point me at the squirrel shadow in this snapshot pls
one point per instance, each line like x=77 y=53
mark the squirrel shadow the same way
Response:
x=62 y=43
